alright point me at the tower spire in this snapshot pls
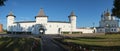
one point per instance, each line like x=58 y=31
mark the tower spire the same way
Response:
x=72 y=13
x=41 y=13
x=11 y=14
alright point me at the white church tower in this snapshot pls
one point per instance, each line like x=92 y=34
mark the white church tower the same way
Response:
x=41 y=22
x=10 y=19
x=41 y=18
x=72 y=19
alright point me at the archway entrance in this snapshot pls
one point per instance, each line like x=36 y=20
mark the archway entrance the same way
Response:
x=59 y=30
x=42 y=31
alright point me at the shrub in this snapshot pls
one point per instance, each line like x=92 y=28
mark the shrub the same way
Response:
x=72 y=32
x=65 y=32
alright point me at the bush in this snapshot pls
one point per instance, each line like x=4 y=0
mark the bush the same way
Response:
x=72 y=32
x=65 y=32
x=76 y=32
x=112 y=33
x=18 y=32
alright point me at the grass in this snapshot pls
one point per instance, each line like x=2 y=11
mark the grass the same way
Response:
x=18 y=44
x=104 y=40
x=3 y=32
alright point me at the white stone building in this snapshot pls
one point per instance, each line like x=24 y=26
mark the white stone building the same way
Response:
x=108 y=23
x=41 y=25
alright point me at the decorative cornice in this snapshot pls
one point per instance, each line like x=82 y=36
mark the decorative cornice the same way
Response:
x=11 y=15
x=41 y=16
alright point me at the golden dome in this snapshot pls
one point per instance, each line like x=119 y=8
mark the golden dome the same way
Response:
x=107 y=13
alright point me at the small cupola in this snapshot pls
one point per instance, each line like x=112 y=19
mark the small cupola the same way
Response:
x=107 y=13
x=72 y=14
x=11 y=14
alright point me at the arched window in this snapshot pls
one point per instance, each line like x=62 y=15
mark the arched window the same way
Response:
x=114 y=29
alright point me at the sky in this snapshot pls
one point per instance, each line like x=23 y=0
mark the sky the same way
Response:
x=87 y=11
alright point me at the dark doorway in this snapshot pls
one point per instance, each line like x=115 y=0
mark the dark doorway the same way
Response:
x=42 y=31
x=59 y=30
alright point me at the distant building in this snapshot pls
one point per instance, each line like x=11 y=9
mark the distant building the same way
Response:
x=108 y=23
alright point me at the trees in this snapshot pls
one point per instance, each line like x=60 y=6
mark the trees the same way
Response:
x=2 y=2
x=116 y=8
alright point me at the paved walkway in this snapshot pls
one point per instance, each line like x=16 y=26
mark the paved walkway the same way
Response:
x=49 y=45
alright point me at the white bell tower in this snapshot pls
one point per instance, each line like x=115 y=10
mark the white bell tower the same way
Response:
x=41 y=18
x=72 y=20
x=10 y=19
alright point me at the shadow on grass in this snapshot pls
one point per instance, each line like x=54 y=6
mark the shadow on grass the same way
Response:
x=91 y=38
x=79 y=38
x=86 y=47
x=18 y=44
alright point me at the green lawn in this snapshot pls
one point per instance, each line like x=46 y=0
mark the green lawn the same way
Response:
x=103 y=40
x=3 y=32
x=19 y=44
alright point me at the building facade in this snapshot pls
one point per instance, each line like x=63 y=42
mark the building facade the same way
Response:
x=108 y=23
x=41 y=25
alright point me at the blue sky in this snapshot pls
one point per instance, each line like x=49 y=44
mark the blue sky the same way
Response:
x=87 y=11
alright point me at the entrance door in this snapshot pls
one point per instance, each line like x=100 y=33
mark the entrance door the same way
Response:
x=42 y=31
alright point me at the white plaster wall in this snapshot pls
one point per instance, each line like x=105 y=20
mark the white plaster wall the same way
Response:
x=85 y=30
x=10 y=21
x=52 y=27
x=41 y=20
x=11 y=27
x=73 y=22
x=20 y=27
x=27 y=26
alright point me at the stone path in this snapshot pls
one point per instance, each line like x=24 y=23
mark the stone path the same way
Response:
x=49 y=45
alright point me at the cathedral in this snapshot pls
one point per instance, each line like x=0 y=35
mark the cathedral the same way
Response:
x=41 y=25
x=108 y=23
